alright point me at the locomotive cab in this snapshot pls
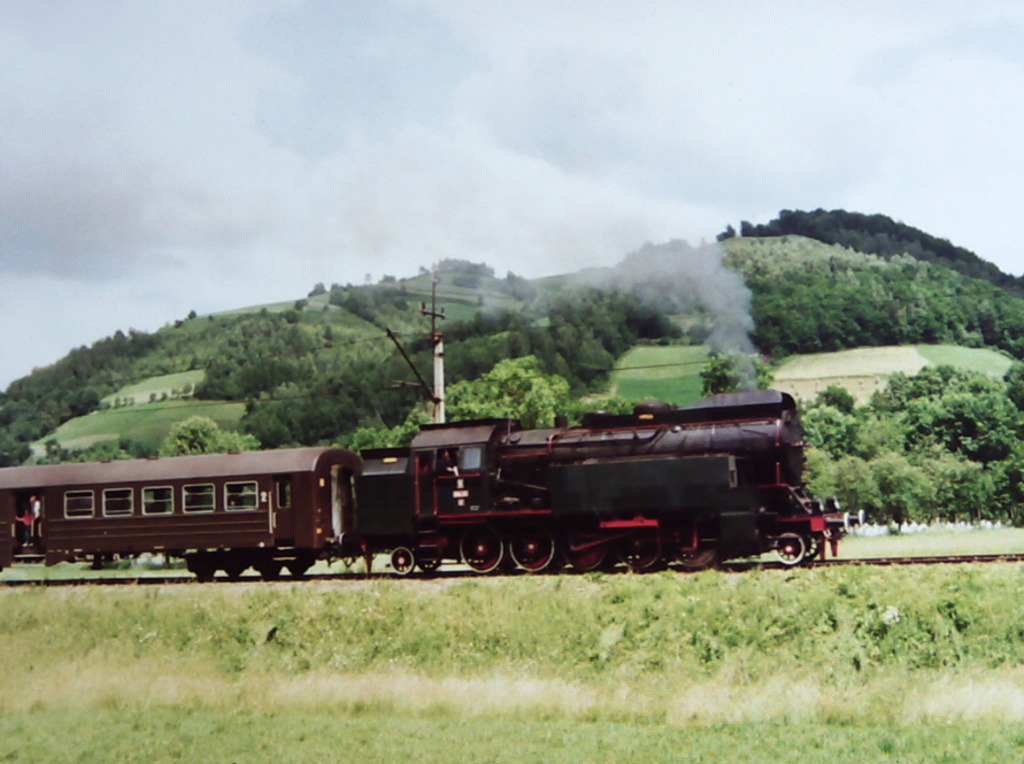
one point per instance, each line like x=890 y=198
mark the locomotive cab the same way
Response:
x=431 y=502
x=455 y=466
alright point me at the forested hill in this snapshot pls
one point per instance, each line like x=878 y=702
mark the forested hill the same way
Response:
x=317 y=369
x=879 y=235
x=809 y=297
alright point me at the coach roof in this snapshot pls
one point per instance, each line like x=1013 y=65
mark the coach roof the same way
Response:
x=179 y=467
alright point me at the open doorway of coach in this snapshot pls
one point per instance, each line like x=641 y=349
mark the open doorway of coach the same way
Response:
x=22 y=512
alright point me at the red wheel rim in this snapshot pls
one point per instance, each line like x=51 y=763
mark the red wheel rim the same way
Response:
x=482 y=549
x=533 y=548
x=586 y=555
x=640 y=552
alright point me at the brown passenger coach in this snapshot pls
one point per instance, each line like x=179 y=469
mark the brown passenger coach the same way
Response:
x=267 y=510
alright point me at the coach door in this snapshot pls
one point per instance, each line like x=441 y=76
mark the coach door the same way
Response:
x=9 y=529
x=28 y=521
x=338 y=494
x=282 y=513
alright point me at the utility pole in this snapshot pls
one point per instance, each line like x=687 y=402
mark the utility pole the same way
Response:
x=437 y=340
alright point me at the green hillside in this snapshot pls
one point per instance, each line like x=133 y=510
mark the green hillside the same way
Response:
x=319 y=368
x=145 y=423
x=669 y=373
x=153 y=389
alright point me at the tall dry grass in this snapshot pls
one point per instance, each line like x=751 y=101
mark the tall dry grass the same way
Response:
x=870 y=646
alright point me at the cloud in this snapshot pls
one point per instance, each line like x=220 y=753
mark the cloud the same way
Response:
x=425 y=196
x=212 y=155
x=127 y=139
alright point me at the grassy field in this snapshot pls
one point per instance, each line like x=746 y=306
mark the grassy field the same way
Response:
x=827 y=665
x=862 y=371
x=372 y=736
x=155 y=388
x=670 y=373
x=934 y=544
x=143 y=422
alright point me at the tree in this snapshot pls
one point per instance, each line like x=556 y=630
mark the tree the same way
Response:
x=515 y=388
x=964 y=490
x=982 y=426
x=837 y=397
x=905 y=491
x=718 y=375
x=12 y=453
x=851 y=479
x=201 y=435
x=1014 y=379
x=391 y=437
x=727 y=373
x=831 y=429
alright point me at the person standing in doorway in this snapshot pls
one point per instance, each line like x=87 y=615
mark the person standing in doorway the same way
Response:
x=29 y=520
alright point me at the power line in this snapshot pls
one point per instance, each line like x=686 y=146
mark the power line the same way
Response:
x=658 y=366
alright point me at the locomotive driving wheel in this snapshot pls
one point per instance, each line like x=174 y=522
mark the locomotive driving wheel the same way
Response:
x=533 y=548
x=701 y=558
x=640 y=552
x=585 y=554
x=481 y=549
x=791 y=549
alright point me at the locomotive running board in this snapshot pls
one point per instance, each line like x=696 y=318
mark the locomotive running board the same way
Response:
x=636 y=522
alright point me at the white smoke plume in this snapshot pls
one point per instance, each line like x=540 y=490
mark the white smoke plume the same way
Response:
x=678 y=278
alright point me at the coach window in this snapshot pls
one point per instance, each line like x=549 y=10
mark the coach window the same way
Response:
x=78 y=504
x=157 y=500
x=239 y=497
x=198 y=498
x=117 y=502
x=284 y=493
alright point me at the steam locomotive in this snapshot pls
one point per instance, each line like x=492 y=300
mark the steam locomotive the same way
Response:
x=716 y=480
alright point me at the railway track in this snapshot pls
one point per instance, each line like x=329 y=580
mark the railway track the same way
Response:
x=883 y=561
x=736 y=567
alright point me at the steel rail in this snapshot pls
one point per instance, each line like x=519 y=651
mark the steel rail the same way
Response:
x=341 y=578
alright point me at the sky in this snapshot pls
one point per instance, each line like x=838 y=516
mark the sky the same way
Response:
x=159 y=157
